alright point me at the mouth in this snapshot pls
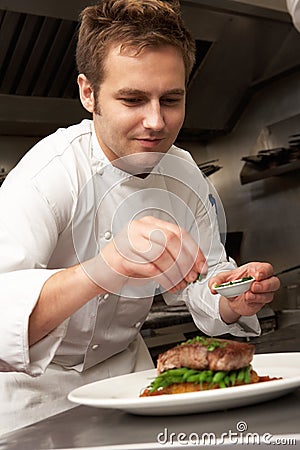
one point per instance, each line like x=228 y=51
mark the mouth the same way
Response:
x=149 y=142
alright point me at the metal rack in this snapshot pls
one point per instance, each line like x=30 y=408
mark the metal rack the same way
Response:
x=272 y=162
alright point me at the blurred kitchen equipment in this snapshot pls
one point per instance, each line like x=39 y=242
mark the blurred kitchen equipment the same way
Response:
x=272 y=162
x=208 y=168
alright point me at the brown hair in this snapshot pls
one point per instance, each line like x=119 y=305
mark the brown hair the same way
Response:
x=131 y=23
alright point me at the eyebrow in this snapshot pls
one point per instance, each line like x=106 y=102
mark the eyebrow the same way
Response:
x=129 y=91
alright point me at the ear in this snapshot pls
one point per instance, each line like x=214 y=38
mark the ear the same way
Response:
x=86 y=93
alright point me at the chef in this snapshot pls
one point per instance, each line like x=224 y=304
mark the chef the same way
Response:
x=99 y=217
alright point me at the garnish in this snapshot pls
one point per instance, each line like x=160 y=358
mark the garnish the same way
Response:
x=230 y=283
x=200 y=277
x=210 y=343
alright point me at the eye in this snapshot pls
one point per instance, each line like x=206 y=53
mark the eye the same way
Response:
x=131 y=101
x=171 y=101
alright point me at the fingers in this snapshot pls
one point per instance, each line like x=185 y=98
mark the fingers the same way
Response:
x=258 y=299
x=271 y=284
x=261 y=292
x=260 y=270
x=244 y=305
x=151 y=248
x=222 y=277
x=177 y=256
x=176 y=240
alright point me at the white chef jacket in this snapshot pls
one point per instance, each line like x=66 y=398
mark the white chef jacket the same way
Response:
x=62 y=203
x=293 y=7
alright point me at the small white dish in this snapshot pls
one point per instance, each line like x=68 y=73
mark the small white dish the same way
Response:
x=234 y=287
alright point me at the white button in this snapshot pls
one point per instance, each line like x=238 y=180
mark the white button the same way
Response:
x=106 y=296
x=107 y=235
x=138 y=324
x=100 y=171
x=95 y=346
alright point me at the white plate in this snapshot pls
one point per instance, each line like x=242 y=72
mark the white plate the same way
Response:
x=123 y=392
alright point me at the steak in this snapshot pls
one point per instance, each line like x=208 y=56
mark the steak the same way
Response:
x=207 y=353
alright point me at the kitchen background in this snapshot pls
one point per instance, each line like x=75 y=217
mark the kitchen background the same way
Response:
x=243 y=97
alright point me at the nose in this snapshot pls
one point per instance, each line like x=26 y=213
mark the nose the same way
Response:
x=153 y=118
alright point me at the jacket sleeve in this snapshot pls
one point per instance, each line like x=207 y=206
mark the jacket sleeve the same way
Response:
x=202 y=304
x=293 y=7
x=28 y=235
x=20 y=291
x=204 y=308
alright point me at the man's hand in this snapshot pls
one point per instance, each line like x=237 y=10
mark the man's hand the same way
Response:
x=261 y=291
x=147 y=250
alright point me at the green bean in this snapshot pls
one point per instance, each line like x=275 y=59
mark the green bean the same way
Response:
x=206 y=375
x=181 y=375
x=240 y=375
x=180 y=371
x=218 y=376
x=227 y=380
x=193 y=378
x=232 y=378
x=247 y=375
x=188 y=373
x=202 y=376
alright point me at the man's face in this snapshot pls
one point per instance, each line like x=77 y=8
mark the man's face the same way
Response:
x=141 y=102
